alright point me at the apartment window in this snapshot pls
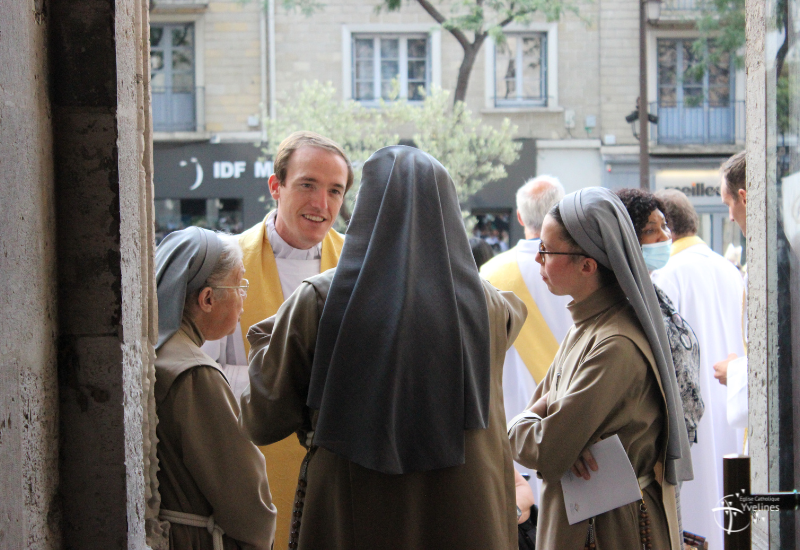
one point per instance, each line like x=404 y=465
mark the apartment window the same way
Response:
x=381 y=62
x=172 y=74
x=679 y=83
x=695 y=106
x=520 y=73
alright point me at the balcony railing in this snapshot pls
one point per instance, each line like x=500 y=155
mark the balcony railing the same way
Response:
x=700 y=125
x=681 y=5
x=175 y=109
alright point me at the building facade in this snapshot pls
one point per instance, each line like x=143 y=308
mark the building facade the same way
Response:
x=220 y=66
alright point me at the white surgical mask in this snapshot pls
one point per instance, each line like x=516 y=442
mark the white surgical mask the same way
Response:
x=656 y=255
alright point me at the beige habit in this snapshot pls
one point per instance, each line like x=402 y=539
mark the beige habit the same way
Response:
x=602 y=382
x=350 y=507
x=207 y=465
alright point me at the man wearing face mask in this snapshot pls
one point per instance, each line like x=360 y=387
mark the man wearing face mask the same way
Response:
x=707 y=291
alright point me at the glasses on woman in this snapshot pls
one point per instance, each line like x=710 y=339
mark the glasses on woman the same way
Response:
x=243 y=286
x=544 y=252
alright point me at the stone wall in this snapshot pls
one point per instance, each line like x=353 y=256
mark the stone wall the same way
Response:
x=597 y=62
x=101 y=142
x=29 y=514
x=310 y=48
x=619 y=66
x=232 y=65
x=761 y=291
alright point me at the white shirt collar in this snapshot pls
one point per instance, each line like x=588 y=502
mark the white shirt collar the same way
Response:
x=283 y=250
x=529 y=245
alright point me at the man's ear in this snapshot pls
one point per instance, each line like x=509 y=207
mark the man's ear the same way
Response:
x=205 y=301
x=743 y=196
x=274 y=187
x=519 y=218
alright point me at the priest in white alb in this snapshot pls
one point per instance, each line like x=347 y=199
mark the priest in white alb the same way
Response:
x=707 y=291
x=732 y=371
x=548 y=319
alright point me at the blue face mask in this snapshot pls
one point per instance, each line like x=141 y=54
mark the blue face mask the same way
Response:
x=656 y=255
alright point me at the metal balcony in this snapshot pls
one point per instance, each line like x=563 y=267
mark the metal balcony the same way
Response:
x=175 y=109
x=682 y=5
x=700 y=125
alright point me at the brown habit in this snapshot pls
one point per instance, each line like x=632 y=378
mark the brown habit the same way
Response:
x=602 y=382
x=207 y=465
x=350 y=507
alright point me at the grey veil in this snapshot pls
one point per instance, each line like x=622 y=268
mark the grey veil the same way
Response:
x=184 y=260
x=598 y=221
x=401 y=365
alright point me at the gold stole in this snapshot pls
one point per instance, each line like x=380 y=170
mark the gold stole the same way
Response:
x=535 y=344
x=682 y=244
x=264 y=297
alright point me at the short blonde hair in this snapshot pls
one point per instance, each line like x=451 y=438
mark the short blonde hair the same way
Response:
x=302 y=139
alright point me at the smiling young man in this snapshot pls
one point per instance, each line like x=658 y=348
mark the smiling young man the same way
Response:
x=295 y=241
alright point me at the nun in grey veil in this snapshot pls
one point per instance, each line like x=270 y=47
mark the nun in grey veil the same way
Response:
x=389 y=370
x=212 y=479
x=612 y=375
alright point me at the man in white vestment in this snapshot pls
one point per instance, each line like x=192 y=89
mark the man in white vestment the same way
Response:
x=732 y=371
x=707 y=291
x=294 y=242
x=548 y=319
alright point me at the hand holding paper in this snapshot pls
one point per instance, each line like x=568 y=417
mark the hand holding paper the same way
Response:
x=584 y=465
x=612 y=485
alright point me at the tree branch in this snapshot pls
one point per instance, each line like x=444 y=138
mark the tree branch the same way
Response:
x=508 y=19
x=458 y=34
x=505 y=21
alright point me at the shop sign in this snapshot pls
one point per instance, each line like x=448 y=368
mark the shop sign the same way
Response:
x=202 y=170
x=701 y=186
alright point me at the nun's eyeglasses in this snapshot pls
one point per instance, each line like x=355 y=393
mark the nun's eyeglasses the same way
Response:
x=245 y=284
x=544 y=252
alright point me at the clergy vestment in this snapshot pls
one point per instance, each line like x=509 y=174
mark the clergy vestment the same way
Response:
x=350 y=507
x=207 y=466
x=604 y=381
x=275 y=270
x=706 y=289
x=548 y=321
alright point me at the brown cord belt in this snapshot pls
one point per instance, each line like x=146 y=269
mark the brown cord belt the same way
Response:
x=299 y=499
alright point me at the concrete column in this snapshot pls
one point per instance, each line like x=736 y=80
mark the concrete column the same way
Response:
x=29 y=514
x=103 y=175
x=762 y=288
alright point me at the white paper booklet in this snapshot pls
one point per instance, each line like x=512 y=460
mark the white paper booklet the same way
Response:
x=614 y=484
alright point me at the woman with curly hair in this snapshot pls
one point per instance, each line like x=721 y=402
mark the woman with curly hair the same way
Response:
x=647 y=214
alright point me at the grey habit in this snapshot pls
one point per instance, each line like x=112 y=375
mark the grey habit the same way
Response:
x=598 y=221
x=402 y=362
x=184 y=261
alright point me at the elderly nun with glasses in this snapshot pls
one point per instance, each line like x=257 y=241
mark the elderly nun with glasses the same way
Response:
x=212 y=479
x=612 y=376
